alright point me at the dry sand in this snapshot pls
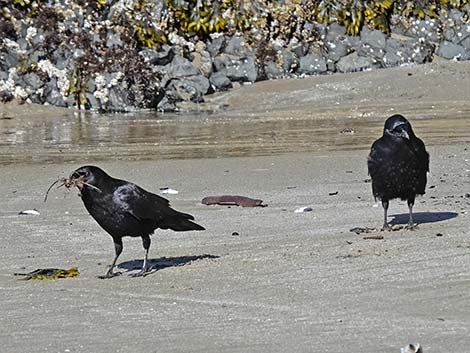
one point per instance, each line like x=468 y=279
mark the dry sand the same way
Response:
x=288 y=282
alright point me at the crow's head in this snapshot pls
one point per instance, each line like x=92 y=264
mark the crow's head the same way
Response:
x=398 y=126
x=89 y=175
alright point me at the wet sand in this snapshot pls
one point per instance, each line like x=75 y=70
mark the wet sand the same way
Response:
x=287 y=282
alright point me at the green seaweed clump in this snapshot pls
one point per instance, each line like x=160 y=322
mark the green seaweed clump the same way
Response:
x=203 y=16
x=77 y=89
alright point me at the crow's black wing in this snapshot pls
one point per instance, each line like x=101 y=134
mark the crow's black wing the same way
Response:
x=421 y=154
x=142 y=204
x=379 y=153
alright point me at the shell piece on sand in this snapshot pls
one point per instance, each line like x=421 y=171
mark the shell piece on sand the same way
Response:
x=169 y=191
x=412 y=348
x=33 y=212
x=304 y=209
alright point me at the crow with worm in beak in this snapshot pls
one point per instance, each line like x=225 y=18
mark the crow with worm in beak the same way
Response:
x=124 y=209
x=398 y=165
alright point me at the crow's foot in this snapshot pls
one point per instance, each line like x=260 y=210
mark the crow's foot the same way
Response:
x=110 y=274
x=386 y=227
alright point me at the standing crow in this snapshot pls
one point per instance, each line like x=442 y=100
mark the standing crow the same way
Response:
x=124 y=209
x=398 y=163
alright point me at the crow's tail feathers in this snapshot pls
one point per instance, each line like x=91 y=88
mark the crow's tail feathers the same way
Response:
x=181 y=222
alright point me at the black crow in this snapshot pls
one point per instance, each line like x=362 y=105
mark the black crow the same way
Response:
x=123 y=209
x=398 y=164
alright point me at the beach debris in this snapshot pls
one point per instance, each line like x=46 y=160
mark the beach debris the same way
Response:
x=168 y=190
x=360 y=230
x=303 y=209
x=232 y=200
x=347 y=131
x=49 y=273
x=235 y=234
x=68 y=183
x=412 y=348
x=333 y=193
x=396 y=227
x=32 y=212
x=373 y=237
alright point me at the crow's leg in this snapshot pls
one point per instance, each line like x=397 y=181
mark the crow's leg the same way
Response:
x=411 y=225
x=146 y=244
x=118 y=251
x=386 y=226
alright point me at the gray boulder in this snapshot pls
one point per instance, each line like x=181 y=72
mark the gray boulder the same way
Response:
x=354 y=62
x=237 y=46
x=312 y=64
x=181 y=67
x=450 y=50
x=52 y=94
x=220 y=81
x=236 y=69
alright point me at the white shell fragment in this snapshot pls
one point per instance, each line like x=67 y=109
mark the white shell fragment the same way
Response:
x=29 y=212
x=412 y=348
x=303 y=209
x=169 y=191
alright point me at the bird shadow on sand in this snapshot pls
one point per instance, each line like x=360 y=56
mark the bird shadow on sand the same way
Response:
x=163 y=262
x=422 y=217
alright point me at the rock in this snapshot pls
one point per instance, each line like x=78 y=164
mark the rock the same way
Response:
x=92 y=101
x=273 y=70
x=236 y=69
x=450 y=50
x=37 y=56
x=182 y=90
x=374 y=39
x=113 y=39
x=427 y=29
x=202 y=60
x=8 y=59
x=52 y=94
x=465 y=41
x=372 y=45
x=220 y=81
x=199 y=82
x=312 y=64
x=237 y=46
x=166 y=104
x=352 y=42
x=300 y=50
x=336 y=50
x=181 y=67
x=6 y=96
x=33 y=80
x=335 y=32
x=286 y=59
x=215 y=46
x=118 y=100
x=353 y=62
x=162 y=57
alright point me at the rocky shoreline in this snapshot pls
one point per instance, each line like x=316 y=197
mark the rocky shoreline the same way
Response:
x=72 y=54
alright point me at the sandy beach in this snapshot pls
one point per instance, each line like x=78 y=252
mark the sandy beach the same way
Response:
x=258 y=279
